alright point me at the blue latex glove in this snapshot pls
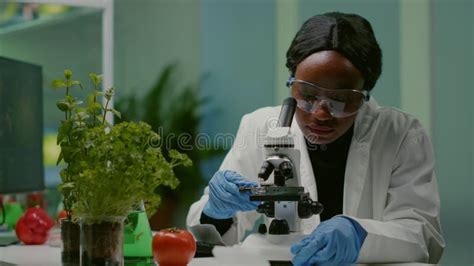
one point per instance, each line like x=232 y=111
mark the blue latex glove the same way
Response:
x=225 y=199
x=336 y=241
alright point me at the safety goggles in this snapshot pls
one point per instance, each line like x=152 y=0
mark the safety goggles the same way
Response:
x=339 y=102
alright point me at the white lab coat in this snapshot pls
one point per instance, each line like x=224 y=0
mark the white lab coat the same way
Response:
x=390 y=185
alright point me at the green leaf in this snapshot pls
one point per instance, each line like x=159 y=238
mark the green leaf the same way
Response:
x=69 y=98
x=66 y=188
x=180 y=158
x=63 y=105
x=64 y=130
x=96 y=79
x=77 y=130
x=67 y=74
x=109 y=93
x=60 y=157
x=58 y=83
x=72 y=83
x=80 y=110
x=60 y=137
x=75 y=103
x=63 y=174
x=67 y=185
x=94 y=106
x=115 y=112
x=90 y=99
x=81 y=116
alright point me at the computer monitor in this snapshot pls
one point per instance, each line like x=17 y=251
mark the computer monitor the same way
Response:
x=21 y=127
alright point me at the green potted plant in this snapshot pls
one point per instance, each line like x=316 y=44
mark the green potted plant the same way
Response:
x=69 y=138
x=173 y=111
x=110 y=169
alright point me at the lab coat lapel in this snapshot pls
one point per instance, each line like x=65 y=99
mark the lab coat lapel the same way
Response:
x=354 y=178
x=358 y=159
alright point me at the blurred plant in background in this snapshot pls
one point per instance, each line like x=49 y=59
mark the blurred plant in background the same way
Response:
x=175 y=114
x=12 y=13
x=51 y=149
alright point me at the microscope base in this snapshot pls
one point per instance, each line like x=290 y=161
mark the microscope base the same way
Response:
x=273 y=247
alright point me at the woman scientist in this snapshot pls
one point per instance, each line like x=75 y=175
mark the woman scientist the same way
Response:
x=372 y=167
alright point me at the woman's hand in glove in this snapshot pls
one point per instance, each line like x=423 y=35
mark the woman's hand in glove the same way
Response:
x=334 y=242
x=225 y=199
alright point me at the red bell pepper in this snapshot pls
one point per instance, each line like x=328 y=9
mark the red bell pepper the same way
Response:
x=32 y=228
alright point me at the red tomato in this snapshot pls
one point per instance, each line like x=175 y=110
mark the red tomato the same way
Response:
x=173 y=247
x=62 y=214
x=33 y=226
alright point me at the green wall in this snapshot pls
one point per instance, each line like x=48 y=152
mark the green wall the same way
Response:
x=452 y=69
x=150 y=34
x=237 y=59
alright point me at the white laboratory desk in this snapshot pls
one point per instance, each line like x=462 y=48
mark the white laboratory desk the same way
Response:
x=44 y=255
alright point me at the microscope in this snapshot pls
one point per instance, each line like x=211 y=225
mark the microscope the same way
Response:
x=284 y=201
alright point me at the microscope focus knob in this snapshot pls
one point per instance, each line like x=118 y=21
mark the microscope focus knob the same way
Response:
x=279 y=227
x=316 y=207
x=307 y=208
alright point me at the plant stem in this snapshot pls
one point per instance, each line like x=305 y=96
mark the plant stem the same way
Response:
x=66 y=208
x=67 y=87
x=67 y=93
x=95 y=100
x=105 y=111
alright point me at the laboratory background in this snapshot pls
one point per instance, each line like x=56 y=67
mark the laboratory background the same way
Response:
x=221 y=59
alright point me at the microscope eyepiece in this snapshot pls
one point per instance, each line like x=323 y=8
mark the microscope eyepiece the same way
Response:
x=287 y=111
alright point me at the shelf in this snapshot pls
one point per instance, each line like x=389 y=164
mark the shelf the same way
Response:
x=74 y=13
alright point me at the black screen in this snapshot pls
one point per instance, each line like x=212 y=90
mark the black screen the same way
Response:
x=21 y=127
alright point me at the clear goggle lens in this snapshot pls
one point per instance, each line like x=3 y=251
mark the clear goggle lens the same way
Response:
x=340 y=103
